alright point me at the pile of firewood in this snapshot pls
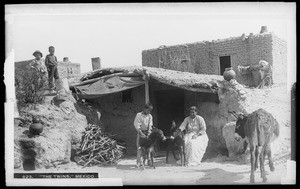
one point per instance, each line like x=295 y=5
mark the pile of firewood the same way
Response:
x=97 y=148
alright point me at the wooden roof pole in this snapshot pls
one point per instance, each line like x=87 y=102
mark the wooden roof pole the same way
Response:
x=146 y=78
x=147 y=91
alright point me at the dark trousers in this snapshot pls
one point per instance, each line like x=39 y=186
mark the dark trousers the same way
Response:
x=52 y=73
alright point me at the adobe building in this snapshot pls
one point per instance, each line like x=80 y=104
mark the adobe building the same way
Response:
x=176 y=77
x=212 y=57
x=120 y=93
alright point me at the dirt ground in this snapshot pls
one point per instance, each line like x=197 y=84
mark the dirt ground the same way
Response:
x=210 y=172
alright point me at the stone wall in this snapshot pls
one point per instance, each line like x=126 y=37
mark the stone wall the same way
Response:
x=204 y=57
x=279 y=55
x=68 y=70
x=65 y=69
x=117 y=117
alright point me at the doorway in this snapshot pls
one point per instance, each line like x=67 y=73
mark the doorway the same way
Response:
x=170 y=106
x=225 y=62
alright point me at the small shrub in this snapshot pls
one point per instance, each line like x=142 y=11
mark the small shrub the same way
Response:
x=30 y=86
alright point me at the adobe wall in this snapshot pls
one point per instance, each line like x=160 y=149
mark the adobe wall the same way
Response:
x=68 y=70
x=203 y=57
x=208 y=108
x=117 y=117
x=279 y=55
x=237 y=49
x=65 y=70
x=192 y=57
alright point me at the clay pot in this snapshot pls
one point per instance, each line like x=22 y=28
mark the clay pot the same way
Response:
x=229 y=74
x=36 y=128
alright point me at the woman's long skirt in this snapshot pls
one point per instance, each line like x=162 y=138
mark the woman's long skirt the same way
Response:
x=195 y=148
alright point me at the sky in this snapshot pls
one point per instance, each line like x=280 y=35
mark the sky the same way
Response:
x=119 y=33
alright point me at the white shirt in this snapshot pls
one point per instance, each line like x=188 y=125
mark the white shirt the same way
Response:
x=143 y=121
x=194 y=125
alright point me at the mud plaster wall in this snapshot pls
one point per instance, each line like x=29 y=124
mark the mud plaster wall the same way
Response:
x=65 y=70
x=203 y=57
x=279 y=55
x=208 y=108
x=68 y=70
x=117 y=117
x=214 y=109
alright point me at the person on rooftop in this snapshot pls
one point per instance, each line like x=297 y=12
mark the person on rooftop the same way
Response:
x=51 y=63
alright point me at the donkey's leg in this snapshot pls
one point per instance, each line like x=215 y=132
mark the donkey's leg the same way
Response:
x=139 y=156
x=152 y=160
x=252 y=161
x=148 y=157
x=181 y=155
x=262 y=163
x=269 y=154
x=174 y=155
x=143 y=152
x=167 y=155
x=151 y=153
x=256 y=158
x=144 y=160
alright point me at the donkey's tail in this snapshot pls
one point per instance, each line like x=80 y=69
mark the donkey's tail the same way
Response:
x=276 y=130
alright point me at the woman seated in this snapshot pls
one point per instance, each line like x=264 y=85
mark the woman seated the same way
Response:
x=195 y=138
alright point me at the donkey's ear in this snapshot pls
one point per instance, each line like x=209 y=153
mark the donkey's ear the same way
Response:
x=234 y=114
x=241 y=115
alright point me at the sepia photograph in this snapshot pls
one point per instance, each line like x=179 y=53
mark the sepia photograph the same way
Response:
x=120 y=94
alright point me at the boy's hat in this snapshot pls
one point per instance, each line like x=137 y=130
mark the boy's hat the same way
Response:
x=37 y=51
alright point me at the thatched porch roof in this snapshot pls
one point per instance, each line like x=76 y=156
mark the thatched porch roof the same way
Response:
x=186 y=80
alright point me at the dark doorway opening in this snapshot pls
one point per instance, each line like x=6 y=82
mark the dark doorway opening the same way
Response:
x=170 y=106
x=225 y=62
x=127 y=96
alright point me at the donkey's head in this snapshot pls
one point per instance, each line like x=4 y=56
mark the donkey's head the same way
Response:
x=157 y=134
x=241 y=120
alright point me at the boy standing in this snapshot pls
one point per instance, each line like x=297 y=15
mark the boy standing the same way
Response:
x=143 y=123
x=51 y=64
